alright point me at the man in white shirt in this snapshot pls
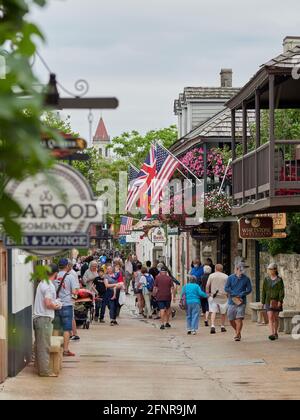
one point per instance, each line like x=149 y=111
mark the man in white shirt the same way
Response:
x=74 y=335
x=215 y=287
x=66 y=289
x=43 y=314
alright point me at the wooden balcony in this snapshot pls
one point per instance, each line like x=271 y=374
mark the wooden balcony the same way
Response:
x=268 y=179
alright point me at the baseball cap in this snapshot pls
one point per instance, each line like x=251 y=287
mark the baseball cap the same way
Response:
x=272 y=266
x=63 y=262
x=53 y=268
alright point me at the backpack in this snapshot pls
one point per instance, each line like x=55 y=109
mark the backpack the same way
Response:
x=150 y=282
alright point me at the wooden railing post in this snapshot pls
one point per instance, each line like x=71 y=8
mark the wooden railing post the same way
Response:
x=233 y=146
x=245 y=146
x=272 y=133
x=257 y=122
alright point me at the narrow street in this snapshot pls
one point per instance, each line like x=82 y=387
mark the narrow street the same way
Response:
x=136 y=360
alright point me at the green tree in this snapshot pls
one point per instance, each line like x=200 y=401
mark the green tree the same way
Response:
x=134 y=146
x=20 y=116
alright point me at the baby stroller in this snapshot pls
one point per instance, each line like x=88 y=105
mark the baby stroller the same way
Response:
x=84 y=308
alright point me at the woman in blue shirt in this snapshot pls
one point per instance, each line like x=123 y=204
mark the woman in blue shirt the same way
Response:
x=193 y=294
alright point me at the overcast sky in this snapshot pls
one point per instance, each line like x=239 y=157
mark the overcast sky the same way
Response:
x=145 y=51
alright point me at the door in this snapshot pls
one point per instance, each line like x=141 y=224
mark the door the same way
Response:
x=3 y=314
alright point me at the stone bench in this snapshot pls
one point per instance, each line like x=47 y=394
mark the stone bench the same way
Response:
x=56 y=354
x=285 y=320
x=258 y=313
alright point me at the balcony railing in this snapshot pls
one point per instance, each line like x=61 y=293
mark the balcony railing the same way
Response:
x=269 y=171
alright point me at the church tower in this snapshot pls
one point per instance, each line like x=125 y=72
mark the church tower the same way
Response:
x=101 y=140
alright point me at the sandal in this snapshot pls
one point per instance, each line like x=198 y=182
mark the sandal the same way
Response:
x=68 y=353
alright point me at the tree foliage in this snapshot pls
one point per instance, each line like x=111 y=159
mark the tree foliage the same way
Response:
x=20 y=116
x=134 y=146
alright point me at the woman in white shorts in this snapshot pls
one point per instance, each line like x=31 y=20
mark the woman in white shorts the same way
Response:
x=218 y=297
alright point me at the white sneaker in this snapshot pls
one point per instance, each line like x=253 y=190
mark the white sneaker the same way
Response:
x=194 y=332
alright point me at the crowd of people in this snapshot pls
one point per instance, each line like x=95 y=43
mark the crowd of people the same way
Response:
x=106 y=279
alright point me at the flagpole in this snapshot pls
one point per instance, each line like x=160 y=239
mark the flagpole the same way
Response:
x=224 y=177
x=182 y=164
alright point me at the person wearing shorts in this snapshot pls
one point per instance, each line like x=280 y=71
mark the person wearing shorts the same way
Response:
x=215 y=287
x=238 y=286
x=66 y=286
x=163 y=285
x=272 y=299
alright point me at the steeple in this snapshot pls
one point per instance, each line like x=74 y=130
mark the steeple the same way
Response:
x=101 y=133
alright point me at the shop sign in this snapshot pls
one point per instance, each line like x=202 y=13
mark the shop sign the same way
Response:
x=173 y=231
x=49 y=241
x=67 y=146
x=157 y=235
x=56 y=204
x=134 y=237
x=256 y=228
x=205 y=232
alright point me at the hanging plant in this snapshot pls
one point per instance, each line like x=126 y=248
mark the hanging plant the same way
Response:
x=216 y=163
x=217 y=205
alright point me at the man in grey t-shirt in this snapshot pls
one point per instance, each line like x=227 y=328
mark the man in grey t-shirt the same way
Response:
x=66 y=286
x=43 y=314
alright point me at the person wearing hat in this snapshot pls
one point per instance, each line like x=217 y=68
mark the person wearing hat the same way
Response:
x=43 y=314
x=66 y=287
x=238 y=286
x=163 y=290
x=272 y=298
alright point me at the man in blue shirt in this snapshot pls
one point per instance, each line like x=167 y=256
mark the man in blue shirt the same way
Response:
x=238 y=286
x=197 y=270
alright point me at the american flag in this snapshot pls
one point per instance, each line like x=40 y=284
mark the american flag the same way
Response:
x=126 y=225
x=142 y=184
x=166 y=164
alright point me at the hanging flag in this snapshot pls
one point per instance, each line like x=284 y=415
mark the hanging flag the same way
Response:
x=126 y=225
x=133 y=187
x=142 y=183
x=166 y=164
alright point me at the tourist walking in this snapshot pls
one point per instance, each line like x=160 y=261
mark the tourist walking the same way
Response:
x=204 y=301
x=193 y=295
x=100 y=303
x=147 y=283
x=138 y=289
x=128 y=273
x=163 y=289
x=218 y=298
x=238 y=286
x=197 y=269
x=90 y=275
x=110 y=283
x=66 y=290
x=272 y=298
x=43 y=314
x=209 y=262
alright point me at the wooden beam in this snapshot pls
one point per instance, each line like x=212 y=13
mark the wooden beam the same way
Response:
x=257 y=122
x=272 y=132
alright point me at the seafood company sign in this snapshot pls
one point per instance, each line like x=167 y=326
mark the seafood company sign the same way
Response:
x=58 y=208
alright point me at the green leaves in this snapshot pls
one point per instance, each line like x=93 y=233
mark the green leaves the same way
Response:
x=134 y=146
x=20 y=117
x=40 y=271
